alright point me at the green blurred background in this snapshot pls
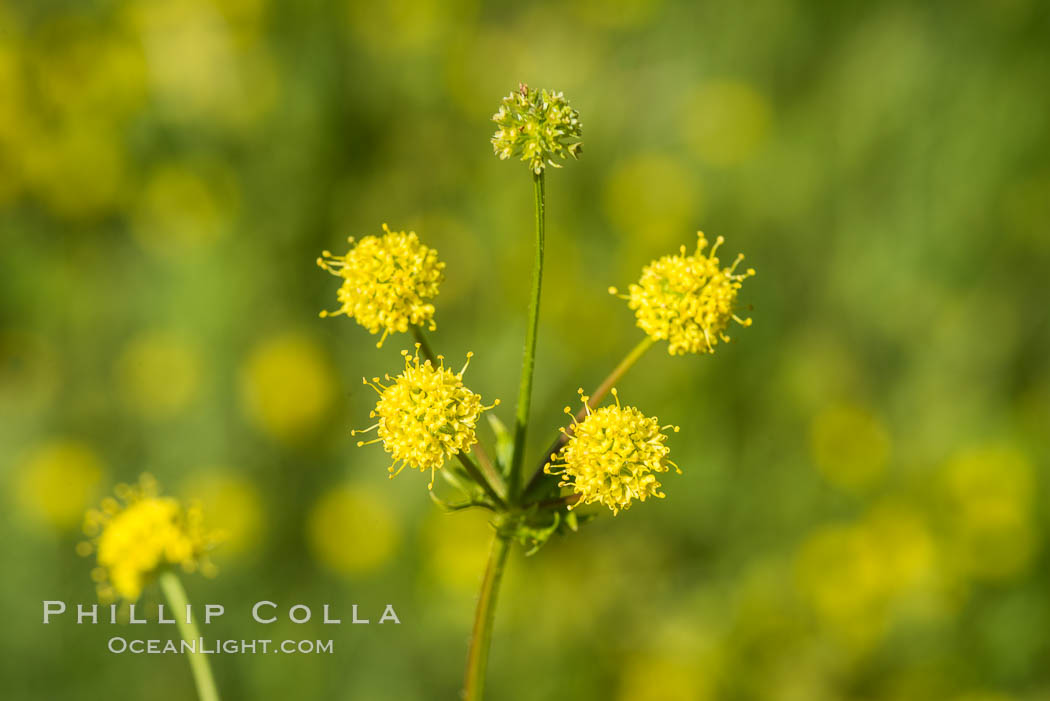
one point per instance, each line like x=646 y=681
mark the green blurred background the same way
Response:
x=861 y=514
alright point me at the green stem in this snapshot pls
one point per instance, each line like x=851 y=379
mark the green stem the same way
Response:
x=176 y=595
x=592 y=401
x=423 y=345
x=528 y=363
x=484 y=617
x=476 y=475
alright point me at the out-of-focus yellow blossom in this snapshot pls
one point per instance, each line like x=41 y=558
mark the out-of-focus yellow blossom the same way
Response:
x=183 y=207
x=665 y=677
x=387 y=281
x=425 y=415
x=908 y=554
x=12 y=115
x=352 y=530
x=857 y=575
x=77 y=169
x=412 y=25
x=651 y=198
x=85 y=70
x=455 y=547
x=205 y=62
x=234 y=507
x=613 y=456
x=158 y=374
x=286 y=386
x=56 y=481
x=850 y=446
x=67 y=89
x=988 y=497
x=725 y=122
x=140 y=533
x=539 y=126
x=687 y=300
x=839 y=572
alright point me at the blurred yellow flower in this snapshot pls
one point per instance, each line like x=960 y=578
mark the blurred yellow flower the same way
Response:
x=849 y=445
x=67 y=89
x=12 y=117
x=857 y=576
x=665 y=677
x=201 y=65
x=725 y=122
x=988 y=495
x=286 y=386
x=455 y=547
x=909 y=556
x=687 y=300
x=408 y=25
x=613 y=456
x=158 y=374
x=839 y=571
x=183 y=207
x=387 y=282
x=56 y=481
x=142 y=533
x=87 y=70
x=234 y=507
x=651 y=198
x=352 y=530
x=77 y=169
x=425 y=416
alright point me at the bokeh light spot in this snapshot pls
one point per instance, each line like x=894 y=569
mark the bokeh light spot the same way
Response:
x=57 y=481
x=849 y=445
x=158 y=374
x=725 y=122
x=352 y=530
x=286 y=386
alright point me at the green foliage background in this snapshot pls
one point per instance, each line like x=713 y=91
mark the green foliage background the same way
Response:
x=861 y=514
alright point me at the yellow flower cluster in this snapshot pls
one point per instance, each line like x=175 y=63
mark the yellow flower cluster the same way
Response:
x=687 y=300
x=387 y=281
x=425 y=415
x=140 y=533
x=537 y=125
x=613 y=456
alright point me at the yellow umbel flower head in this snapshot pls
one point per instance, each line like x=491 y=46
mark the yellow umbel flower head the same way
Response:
x=425 y=415
x=537 y=125
x=687 y=300
x=387 y=281
x=613 y=456
x=140 y=533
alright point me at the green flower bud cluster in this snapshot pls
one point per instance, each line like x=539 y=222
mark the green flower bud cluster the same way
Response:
x=539 y=126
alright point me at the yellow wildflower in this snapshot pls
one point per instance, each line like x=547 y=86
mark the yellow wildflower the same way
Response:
x=613 y=455
x=687 y=300
x=357 y=509
x=387 y=281
x=141 y=534
x=56 y=480
x=426 y=415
